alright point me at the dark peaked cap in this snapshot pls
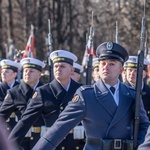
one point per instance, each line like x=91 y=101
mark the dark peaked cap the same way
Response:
x=111 y=50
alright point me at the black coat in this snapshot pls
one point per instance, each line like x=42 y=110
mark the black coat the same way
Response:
x=48 y=100
x=16 y=100
x=3 y=90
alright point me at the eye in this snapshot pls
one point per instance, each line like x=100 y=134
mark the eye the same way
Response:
x=112 y=64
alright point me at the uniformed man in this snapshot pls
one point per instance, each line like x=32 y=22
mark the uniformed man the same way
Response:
x=123 y=74
x=9 y=71
x=131 y=76
x=78 y=69
x=106 y=108
x=50 y=99
x=18 y=97
x=95 y=69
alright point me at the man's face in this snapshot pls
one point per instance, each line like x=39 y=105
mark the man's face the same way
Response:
x=95 y=74
x=31 y=76
x=62 y=71
x=131 y=75
x=8 y=75
x=109 y=70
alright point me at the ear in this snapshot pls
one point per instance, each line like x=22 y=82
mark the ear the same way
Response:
x=15 y=74
x=72 y=69
x=121 y=69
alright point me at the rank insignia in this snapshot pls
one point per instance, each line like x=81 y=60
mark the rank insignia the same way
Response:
x=75 y=98
x=34 y=95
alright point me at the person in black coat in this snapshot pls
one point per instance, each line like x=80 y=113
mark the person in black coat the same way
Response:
x=78 y=69
x=18 y=97
x=51 y=99
x=9 y=71
x=131 y=76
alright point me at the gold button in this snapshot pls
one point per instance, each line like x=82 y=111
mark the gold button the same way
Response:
x=77 y=147
x=31 y=138
x=61 y=108
x=63 y=148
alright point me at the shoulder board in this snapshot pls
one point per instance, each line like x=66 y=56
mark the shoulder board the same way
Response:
x=86 y=87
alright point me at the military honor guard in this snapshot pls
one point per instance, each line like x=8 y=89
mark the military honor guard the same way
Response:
x=50 y=100
x=131 y=76
x=18 y=97
x=105 y=108
x=123 y=74
x=95 y=69
x=78 y=69
x=9 y=71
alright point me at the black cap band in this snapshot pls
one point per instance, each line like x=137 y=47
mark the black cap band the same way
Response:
x=77 y=70
x=10 y=67
x=63 y=59
x=134 y=65
x=33 y=66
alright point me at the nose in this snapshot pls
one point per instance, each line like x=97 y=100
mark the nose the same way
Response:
x=27 y=72
x=133 y=72
x=106 y=66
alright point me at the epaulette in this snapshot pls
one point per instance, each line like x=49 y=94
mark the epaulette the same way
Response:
x=86 y=87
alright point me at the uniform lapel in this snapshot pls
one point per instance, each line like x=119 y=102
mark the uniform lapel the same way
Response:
x=57 y=90
x=124 y=104
x=26 y=90
x=70 y=93
x=105 y=98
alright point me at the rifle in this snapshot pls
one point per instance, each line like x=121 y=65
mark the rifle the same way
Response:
x=139 y=79
x=145 y=45
x=90 y=56
x=117 y=36
x=50 y=50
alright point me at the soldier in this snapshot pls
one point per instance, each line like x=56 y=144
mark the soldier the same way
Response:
x=51 y=99
x=17 y=98
x=78 y=69
x=9 y=71
x=95 y=69
x=106 y=108
x=131 y=75
x=123 y=74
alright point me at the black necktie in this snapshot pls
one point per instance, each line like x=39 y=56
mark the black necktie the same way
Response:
x=112 y=89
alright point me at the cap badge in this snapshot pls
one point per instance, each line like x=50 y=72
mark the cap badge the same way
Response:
x=4 y=62
x=109 y=45
x=133 y=59
x=55 y=54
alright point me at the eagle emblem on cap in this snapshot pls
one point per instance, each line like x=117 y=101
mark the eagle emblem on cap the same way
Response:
x=55 y=54
x=28 y=60
x=133 y=59
x=4 y=62
x=109 y=45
